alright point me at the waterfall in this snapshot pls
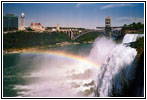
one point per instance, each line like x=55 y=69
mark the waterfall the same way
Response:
x=50 y=75
x=131 y=38
x=120 y=58
x=117 y=63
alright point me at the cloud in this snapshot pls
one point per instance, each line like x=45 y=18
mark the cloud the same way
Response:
x=116 y=5
x=85 y=4
x=131 y=19
x=78 y=5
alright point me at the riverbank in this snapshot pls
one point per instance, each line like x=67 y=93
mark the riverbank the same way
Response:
x=21 y=50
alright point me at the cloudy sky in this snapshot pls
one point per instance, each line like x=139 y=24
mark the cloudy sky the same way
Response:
x=87 y=15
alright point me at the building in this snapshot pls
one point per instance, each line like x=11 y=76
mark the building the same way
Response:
x=107 y=25
x=22 y=19
x=22 y=22
x=36 y=27
x=10 y=22
x=58 y=27
x=108 y=21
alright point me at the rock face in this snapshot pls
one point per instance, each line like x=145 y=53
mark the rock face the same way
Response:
x=137 y=85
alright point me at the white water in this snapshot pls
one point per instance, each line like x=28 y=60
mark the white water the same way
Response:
x=131 y=37
x=119 y=62
x=120 y=58
x=55 y=76
x=62 y=77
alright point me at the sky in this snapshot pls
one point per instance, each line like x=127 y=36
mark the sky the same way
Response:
x=85 y=15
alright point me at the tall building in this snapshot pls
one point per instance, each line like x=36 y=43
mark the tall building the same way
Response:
x=22 y=19
x=108 y=21
x=10 y=22
x=22 y=22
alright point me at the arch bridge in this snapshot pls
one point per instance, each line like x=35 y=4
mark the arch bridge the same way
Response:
x=85 y=32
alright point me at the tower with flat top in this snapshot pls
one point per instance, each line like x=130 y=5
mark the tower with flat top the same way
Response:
x=107 y=25
x=108 y=21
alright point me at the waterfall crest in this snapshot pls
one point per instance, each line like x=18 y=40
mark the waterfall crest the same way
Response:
x=131 y=37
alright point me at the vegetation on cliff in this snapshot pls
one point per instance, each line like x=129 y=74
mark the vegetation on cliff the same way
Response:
x=133 y=28
x=31 y=39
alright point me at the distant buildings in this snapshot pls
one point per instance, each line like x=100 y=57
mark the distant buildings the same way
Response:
x=108 y=21
x=22 y=22
x=10 y=22
x=36 y=27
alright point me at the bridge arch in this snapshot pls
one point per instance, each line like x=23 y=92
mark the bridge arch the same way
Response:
x=78 y=36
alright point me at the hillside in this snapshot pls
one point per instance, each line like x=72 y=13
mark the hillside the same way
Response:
x=31 y=39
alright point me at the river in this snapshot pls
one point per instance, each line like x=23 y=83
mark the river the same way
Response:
x=48 y=74
x=81 y=70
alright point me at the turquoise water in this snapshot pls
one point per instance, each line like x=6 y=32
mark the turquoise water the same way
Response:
x=13 y=70
x=17 y=66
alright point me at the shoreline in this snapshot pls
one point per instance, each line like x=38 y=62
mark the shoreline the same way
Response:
x=22 y=50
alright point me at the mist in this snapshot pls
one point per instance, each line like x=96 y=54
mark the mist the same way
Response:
x=56 y=76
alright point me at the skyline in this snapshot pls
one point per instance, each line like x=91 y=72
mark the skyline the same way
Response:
x=86 y=15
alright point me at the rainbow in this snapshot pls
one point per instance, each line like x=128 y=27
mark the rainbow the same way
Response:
x=66 y=55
